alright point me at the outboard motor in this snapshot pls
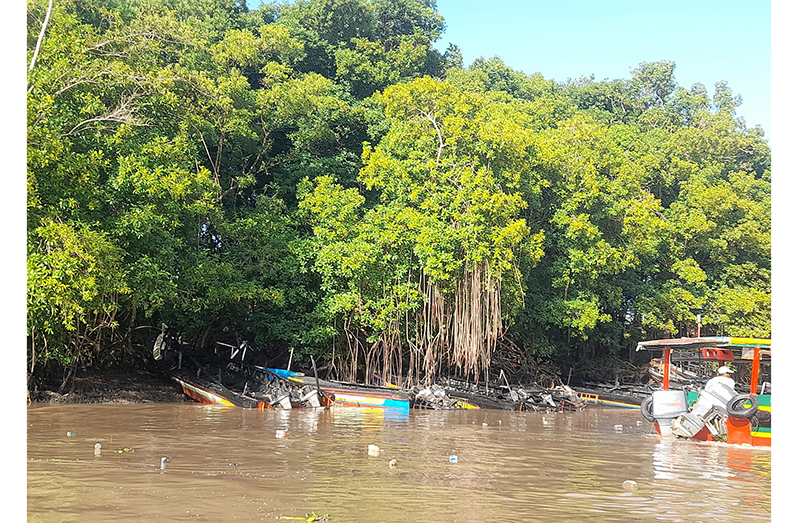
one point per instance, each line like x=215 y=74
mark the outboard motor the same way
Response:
x=707 y=411
x=311 y=398
x=663 y=406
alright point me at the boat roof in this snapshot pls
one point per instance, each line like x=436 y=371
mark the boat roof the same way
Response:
x=719 y=342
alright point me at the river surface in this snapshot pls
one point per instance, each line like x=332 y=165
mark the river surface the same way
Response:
x=232 y=464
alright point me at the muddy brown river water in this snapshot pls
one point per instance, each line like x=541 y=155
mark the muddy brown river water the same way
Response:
x=232 y=464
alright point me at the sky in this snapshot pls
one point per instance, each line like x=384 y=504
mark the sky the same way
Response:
x=709 y=40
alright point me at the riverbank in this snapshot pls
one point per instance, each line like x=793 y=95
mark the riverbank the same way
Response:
x=114 y=388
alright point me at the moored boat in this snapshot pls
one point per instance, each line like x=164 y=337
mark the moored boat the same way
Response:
x=613 y=395
x=357 y=395
x=716 y=414
x=609 y=400
x=238 y=386
x=208 y=391
x=211 y=378
x=500 y=396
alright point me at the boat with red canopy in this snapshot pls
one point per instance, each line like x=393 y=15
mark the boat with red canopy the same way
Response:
x=720 y=413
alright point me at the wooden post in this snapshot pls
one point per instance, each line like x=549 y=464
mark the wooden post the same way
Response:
x=755 y=371
x=316 y=374
x=666 y=377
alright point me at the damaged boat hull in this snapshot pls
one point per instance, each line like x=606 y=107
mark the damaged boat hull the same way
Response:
x=353 y=395
x=203 y=393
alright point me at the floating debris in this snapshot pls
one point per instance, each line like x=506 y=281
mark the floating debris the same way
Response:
x=279 y=434
x=630 y=485
x=70 y=434
x=453 y=458
x=126 y=449
x=374 y=450
x=97 y=449
x=309 y=519
x=392 y=463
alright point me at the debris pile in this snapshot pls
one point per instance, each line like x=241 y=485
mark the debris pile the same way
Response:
x=433 y=398
x=458 y=394
x=559 y=398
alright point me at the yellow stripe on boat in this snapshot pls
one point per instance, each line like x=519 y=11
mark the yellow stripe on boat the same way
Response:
x=618 y=404
x=594 y=398
x=749 y=342
x=205 y=394
x=363 y=400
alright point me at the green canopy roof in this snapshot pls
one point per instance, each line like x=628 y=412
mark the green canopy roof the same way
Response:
x=720 y=342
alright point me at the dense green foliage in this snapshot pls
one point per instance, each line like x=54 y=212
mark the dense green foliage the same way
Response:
x=316 y=176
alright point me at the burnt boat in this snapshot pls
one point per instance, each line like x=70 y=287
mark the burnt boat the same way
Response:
x=435 y=397
x=204 y=390
x=221 y=377
x=347 y=394
x=234 y=383
x=226 y=381
x=613 y=395
x=520 y=398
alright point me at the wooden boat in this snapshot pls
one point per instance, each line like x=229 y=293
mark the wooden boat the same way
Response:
x=219 y=380
x=356 y=395
x=718 y=415
x=219 y=377
x=435 y=397
x=210 y=392
x=500 y=396
x=595 y=398
x=628 y=396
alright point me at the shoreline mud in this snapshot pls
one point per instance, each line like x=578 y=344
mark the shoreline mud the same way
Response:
x=112 y=388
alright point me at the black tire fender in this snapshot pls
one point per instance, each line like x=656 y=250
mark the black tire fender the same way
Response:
x=737 y=409
x=646 y=408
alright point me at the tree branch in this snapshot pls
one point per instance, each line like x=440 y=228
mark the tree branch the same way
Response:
x=123 y=113
x=41 y=36
x=441 y=145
